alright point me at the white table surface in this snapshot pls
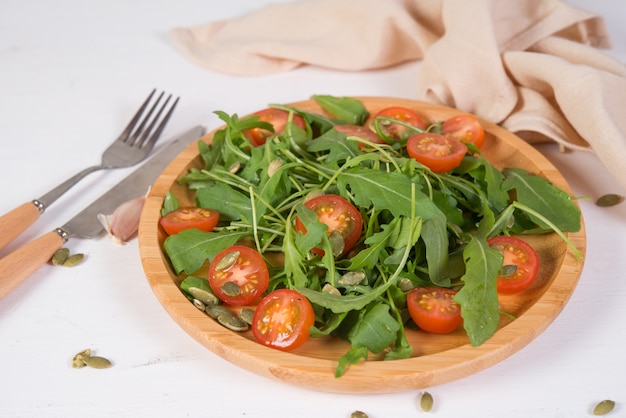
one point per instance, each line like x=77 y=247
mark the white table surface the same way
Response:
x=72 y=73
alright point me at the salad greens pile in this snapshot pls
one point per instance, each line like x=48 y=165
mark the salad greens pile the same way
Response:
x=420 y=228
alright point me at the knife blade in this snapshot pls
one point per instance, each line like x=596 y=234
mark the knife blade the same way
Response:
x=20 y=264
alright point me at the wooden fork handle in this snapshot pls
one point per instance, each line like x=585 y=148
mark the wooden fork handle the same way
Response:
x=21 y=263
x=16 y=221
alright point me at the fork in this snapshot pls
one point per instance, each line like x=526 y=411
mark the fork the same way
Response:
x=131 y=147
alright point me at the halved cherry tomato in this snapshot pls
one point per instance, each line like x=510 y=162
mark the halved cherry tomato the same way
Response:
x=396 y=131
x=435 y=151
x=189 y=217
x=520 y=265
x=434 y=310
x=283 y=320
x=242 y=267
x=361 y=132
x=278 y=118
x=339 y=215
x=465 y=128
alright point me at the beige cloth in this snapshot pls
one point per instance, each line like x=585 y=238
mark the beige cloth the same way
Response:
x=532 y=66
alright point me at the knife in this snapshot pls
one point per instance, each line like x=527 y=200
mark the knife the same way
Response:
x=20 y=264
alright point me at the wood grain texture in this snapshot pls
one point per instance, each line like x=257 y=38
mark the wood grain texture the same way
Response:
x=436 y=358
x=21 y=263
x=15 y=222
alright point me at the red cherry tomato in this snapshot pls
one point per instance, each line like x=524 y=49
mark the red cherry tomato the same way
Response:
x=434 y=310
x=361 y=132
x=283 y=320
x=465 y=128
x=435 y=151
x=520 y=265
x=189 y=217
x=278 y=118
x=396 y=131
x=242 y=266
x=339 y=215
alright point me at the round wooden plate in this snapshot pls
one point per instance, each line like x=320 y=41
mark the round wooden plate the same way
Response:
x=436 y=358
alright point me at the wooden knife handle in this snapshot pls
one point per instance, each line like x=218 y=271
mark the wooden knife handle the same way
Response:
x=15 y=222
x=21 y=263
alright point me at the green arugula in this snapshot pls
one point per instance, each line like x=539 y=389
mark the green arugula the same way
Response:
x=418 y=226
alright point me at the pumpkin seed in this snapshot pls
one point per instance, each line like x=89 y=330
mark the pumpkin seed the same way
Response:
x=231 y=289
x=426 y=402
x=508 y=270
x=313 y=193
x=97 y=362
x=604 y=407
x=234 y=167
x=274 y=166
x=610 y=199
x=78 y=360
x=73 y=260
x=232 y=322
x=214 y=310
x=59 y=256
x=202 y=295
x=246 y=315
x=330 y=289
x=358 y=414
x=199 y=304
x=405 y=285
x=352 y=278
x=337 y=243
x=228 y=260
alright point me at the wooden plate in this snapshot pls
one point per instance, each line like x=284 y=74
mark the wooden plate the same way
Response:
x=437 y=358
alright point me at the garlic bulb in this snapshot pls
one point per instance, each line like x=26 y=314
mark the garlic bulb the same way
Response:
x=123 y=224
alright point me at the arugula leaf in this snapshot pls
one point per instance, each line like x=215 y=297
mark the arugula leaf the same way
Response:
x=294 y=260
x=353 y=356
x=542 y=196
x=344 y=303
x=189 y=249
x=226 y=200
x=488 y=178
x=375 y=331
x=376 y=243
x=347 y=109
x=170 y=203
x=194 y=281
x=478 y=297
x=336 y=145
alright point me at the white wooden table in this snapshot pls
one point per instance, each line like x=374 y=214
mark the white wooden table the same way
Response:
x=72 y=73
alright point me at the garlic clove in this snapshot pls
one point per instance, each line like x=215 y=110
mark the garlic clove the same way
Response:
x=123 y=224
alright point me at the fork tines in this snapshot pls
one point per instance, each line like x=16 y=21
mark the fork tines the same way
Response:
x=140 y=135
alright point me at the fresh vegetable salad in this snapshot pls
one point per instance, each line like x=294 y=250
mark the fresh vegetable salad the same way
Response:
x=360 y=226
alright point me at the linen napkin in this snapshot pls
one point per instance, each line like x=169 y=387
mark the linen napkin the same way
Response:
x=533 y=66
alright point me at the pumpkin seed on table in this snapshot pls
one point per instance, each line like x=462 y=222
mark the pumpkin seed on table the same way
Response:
x=358 y=414
x=78 y=359
x=604 y=407
x=73 y=260
x=610 y=199
x=97 y=362
x=84 y=358
x=60 y=255
x=426 y=402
